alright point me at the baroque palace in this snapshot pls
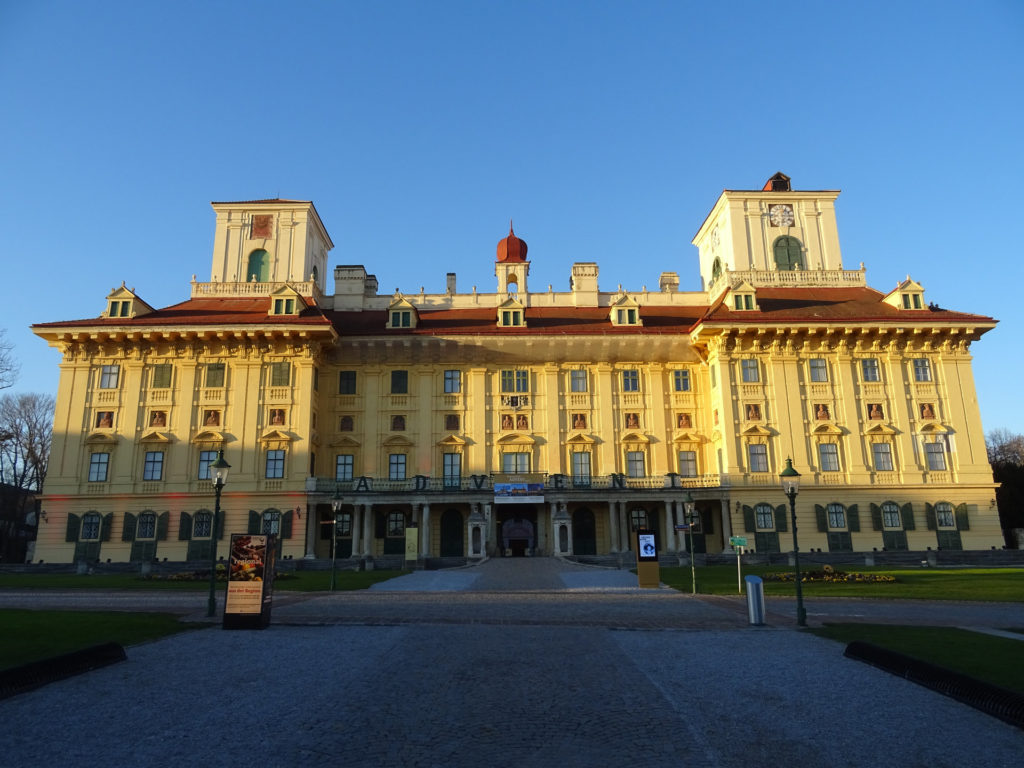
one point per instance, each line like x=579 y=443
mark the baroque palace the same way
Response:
x=520 y=421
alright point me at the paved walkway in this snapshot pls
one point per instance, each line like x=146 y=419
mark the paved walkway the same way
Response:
x=513 y=663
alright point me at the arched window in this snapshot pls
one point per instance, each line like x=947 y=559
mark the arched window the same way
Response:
x=316 y=274
x=202 y=525
x=836 y=516
x=716 y=270
x=146 y=527
x=90 y=527
x=891 y=515
x=259 y=267
x=764 y=517
x=788 y=254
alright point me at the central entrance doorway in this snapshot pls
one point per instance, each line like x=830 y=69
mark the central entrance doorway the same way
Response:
x=517 y=529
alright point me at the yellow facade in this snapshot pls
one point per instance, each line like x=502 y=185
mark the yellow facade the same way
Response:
x=520 y=421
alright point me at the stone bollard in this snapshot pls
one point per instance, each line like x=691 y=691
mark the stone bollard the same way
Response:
x=869 y=558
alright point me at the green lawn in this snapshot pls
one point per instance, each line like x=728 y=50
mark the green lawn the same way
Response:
x=984 y=584
x=34 y=635
x=303 y=581
x=992 y=659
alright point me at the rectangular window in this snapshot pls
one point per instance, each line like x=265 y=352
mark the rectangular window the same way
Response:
x=869 y=369
x=681 y=381
x=346 y=382
x=581 y=467
x=749 y=371
x=511 y=318
x=280 y=374
x=891 y=516
x=399 y=382
x=90 y=527
x=153 y=469
x=828 y=456
x=631 y=381
x=819 y=370
x=635 y=464
x=577 y=381
x=906 y=301
x=936 y=456
x=215 y=375
x=688 y=463
x=109 y=375
x=515 y=381
x=275 y=465
x=162 y=376
x=764 y=517
x=515 y=463
x=343 y=467
x=758 y=456
x=98 y=464
x=922 y=370
x=944 y=515
x=836 y=516
x=452 y=382
x=452 y=470
x=401 y=319
x=882 y=453
x=206 y=458
x=396 y=466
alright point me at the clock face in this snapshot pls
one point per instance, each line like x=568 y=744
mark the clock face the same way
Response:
x=781 y=215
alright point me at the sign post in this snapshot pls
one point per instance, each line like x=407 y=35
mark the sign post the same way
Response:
x=738 y=543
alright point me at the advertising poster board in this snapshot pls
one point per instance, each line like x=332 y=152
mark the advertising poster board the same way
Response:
x=648 y=571
x=519 y=493
x=250 y=581
x=412 y=540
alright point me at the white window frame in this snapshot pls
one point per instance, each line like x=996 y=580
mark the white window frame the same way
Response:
x=396 y=466
x=681 y=380
x=922 y=369
x=110 y=375
x=631 y=380
x=515 y=463
x=274 y=464
x=935 y=456
x=343 y=467
x=944 y=515
x=828 y=457
x=581 y=472
x=452 y=382
x=764 y=517
x=818 y=368
x=99 y=467
x=891 y=517
x=578 y=381
x=836 y=516
x=870 y=369
x=750 y=371
x=452 y=469
x=687 y=463
x=757 y=457
x=636 y=465
x=153 y=466
x=514 y=380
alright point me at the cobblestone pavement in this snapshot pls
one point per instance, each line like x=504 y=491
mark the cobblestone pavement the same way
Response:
x=525 y=664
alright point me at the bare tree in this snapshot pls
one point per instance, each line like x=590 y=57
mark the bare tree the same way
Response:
x=8 y=365
x=26 y=428
x=1004 y=447
x=1006 y=454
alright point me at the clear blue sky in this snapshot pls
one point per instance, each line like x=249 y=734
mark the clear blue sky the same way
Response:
x=605 y=129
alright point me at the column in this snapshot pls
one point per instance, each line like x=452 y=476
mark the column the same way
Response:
x=625 y=534
x=312 y=530
x=356 y=530
x=553 y=510
x=367 y=530
x=425 y=531
x=726 y=526
x=670 y=526
x=613 y=525
x=684 y=536
x=491 y=545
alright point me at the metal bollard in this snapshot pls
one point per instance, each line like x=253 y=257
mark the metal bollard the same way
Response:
x=755 y=600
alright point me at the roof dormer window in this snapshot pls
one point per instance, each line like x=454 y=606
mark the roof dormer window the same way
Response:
x=625 y=316
x=907 y=295
x=744 y=297
x=284 y=306
x=119 y=309
x=625 y=311
x=401 y=318
x=401 y=314
x=122 y=302
x=511 y=314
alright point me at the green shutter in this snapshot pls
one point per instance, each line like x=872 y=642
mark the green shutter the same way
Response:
x=254 y=522
x=929 y=517
x=822 y=518
x=907 y=513
x=853 y=519
x=286 y=524
x=780 y=518
x=749 y=523
x=74 y=525
x=105 y=525
x=876 y=518
x=128 y=530
x=962 y=523
x=185 y=527
x=162 y=521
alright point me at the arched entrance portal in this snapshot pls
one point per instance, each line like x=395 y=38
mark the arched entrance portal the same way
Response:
x=451 y=534
x=584 y=532
x=517 y=529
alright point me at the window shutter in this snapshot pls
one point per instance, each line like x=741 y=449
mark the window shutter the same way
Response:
x=780 y=518
x=218 y=524
x=128 y=531
x=876 y=517
x=929 y=517
x=749 y=524
x=185 y=527
x=907 y=513
x=962 y=523
x=74 y=525
x=254 y=522
x=380 y=525
x=819 y=513
x=105 y=525
x=707 y=521
x=286 y=524
x=162 y=522
x=853 y=519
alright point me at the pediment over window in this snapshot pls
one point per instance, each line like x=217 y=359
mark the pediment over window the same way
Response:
x=402 y=313
x=934 y=427
x=345 y=442
x=880 y=429
x=453 y=441
x=276 y=435
x=123 y=302
x=909 y=294
x=635 y=437
x=153 y=436
x=687 y=437
x=516 y=440
x=511 y=313
x=100 y=438
x=827 y=429
x=757 y=429
x=625 y=311
x=744 y=297
x=581 y=439
x=285 y=300
x=209 y=436
x=398 y=441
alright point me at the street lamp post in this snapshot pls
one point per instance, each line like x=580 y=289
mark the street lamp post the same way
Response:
x=791 y=486
x=336 y=507
x=219 y=473
x=690 y=514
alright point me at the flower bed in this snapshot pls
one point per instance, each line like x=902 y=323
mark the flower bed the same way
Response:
x=830 y=574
